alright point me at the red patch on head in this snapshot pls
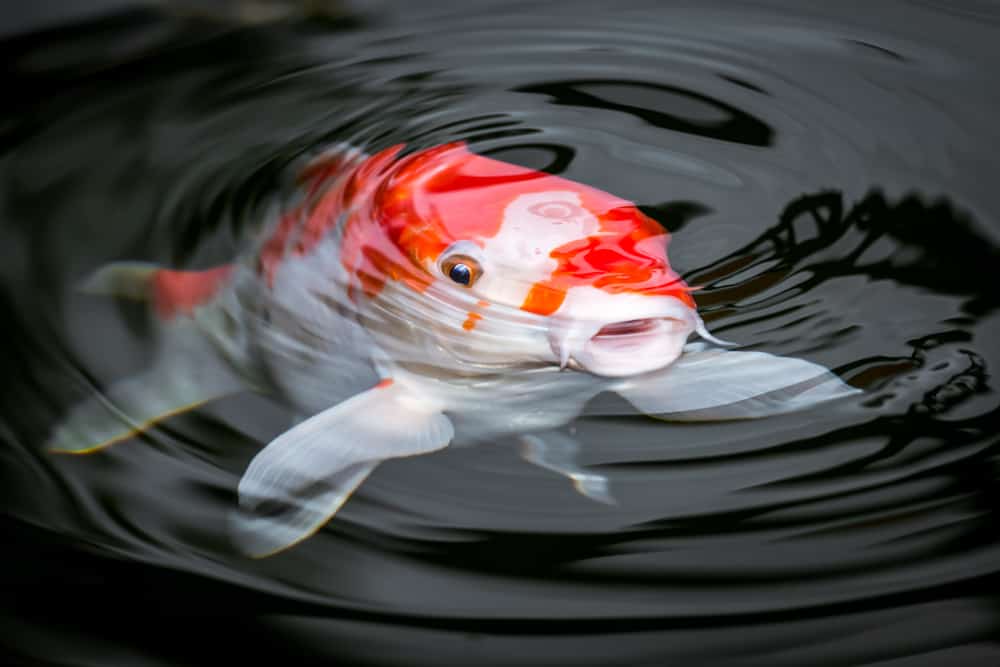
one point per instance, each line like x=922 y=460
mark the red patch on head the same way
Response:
x=402 y=213
x=627 y=254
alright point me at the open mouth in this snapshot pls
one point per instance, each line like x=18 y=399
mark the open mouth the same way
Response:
x=628 y=328
x=635 y=332
x=633 y=346
x=593 y=340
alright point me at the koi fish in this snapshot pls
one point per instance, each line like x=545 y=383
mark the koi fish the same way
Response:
x=408 y=301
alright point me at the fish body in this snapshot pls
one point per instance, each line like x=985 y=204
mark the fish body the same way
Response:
x=554 y=262
x=407 y=301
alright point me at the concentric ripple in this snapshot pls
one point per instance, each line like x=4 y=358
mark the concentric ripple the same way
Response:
x=826 y=177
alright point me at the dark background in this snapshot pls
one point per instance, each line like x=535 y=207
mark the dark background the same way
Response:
x=853 y=151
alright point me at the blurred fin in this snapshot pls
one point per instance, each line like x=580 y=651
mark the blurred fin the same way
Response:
x=179 y=380
x=187 y=370
x=299 y=481
x=170 y=292
x=557 y=452
x=707 y=384
x=128 y=280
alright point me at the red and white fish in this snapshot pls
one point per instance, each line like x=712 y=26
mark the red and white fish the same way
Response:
x=407 y=301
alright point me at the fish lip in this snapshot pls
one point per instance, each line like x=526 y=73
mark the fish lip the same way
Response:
x=634 y=347
x=634 y=327
x=632 y=333
x=650 y=338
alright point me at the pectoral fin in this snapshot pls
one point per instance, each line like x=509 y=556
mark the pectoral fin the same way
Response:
x=186 y=373
x=300 y=480
x=714 y=384
x=188 y=369
x=558 y=452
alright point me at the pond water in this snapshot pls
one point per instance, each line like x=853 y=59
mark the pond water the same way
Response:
x=826 y=173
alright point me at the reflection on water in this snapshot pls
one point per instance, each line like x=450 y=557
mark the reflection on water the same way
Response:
x=825 y=177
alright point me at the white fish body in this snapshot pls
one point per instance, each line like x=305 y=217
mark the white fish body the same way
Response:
x=411 y=302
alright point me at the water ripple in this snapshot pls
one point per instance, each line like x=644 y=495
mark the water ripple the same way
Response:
x=822 y=175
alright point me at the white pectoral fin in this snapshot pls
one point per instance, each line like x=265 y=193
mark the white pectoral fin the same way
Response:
x=133 y=405
x=714 y=384
x=299 y=481
x=183 y=376
x=557 y=452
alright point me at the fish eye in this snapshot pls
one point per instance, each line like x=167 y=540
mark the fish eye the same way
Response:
x=462 y=269
x=461 y=274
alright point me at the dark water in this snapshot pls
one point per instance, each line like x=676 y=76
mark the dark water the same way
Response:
x=829 y=176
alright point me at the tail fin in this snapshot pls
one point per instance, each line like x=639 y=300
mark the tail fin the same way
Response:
x=128 y=280
x=187 y=370
x=131 y=406
x=170 y=293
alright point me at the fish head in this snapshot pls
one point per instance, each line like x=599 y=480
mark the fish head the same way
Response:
x=588 y=268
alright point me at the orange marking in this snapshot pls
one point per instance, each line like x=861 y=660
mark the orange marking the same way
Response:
x=543 y=299
x=384 y=383
x=303 y=228
x=273 y=251
x=180 y=292
x=401 y=213
x=470 y=322
x=628 y=254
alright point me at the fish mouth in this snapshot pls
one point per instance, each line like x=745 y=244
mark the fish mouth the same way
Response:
x=635 y=346
x=617 y=330
x=623 y=347
x=618 y=335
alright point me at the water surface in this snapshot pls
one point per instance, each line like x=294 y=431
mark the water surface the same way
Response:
x=827 y=174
